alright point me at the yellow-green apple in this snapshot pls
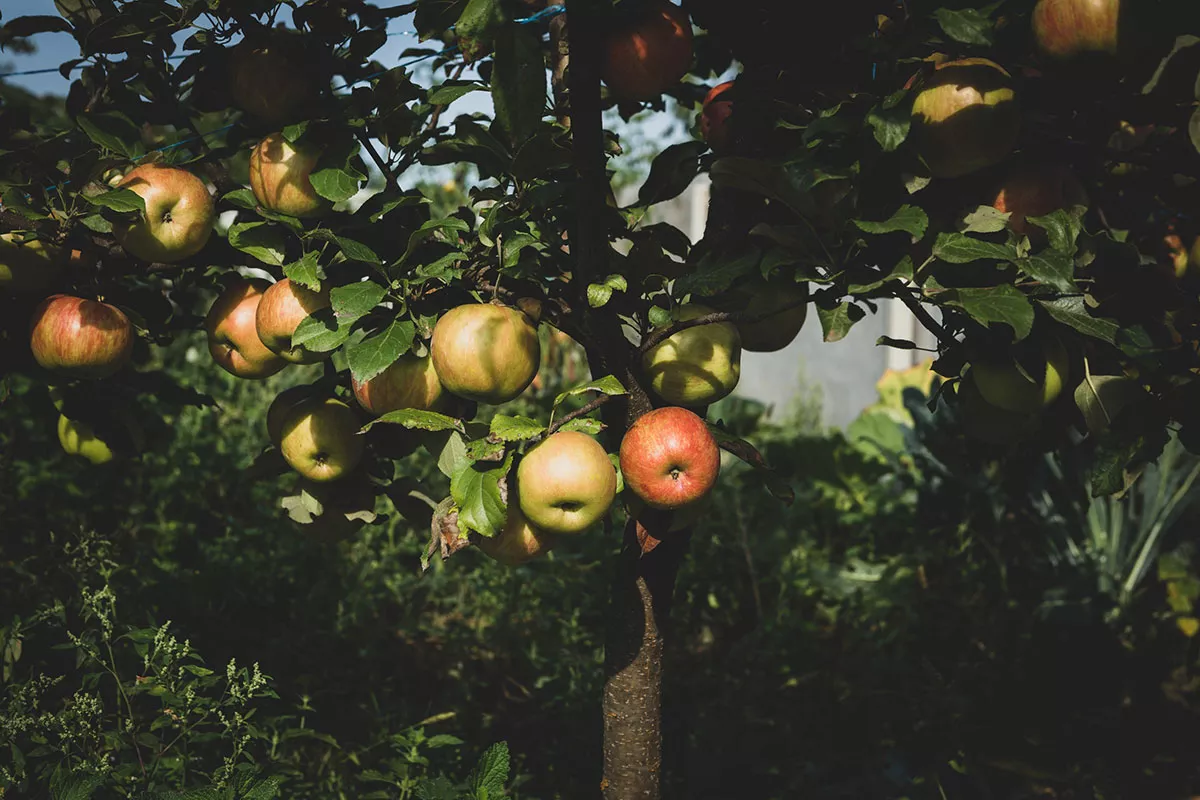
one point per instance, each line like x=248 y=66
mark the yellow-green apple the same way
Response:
x=988 y=423
x=716 y=123
x=270 y=80
x=1068 y=28
x=488 y=353
x=1035 y=192
x=29 y=266
x=965 y=117
x=283 y=306
x=409 y=382
x=339 y=500
x=778 y=330
x=122 y=437
x=80 y=338
x=517 y=542
x=649 y=54
x=233 y=332
x=697 y=365
x=1002 y=385
x=669 y=459
x=281 y=407
x=320 y=439
x=78 y=439
x=566 y=483
x=279 y=172
x=179 y=214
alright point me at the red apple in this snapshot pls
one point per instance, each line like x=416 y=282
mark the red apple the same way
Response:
x=1068 y=28
x=1036 y=192
x=179 y=214
x=649 y=54
x=485 y=352
x=966 y=117
x=281 y=309
x=233 y=332
x=669 y=459
x=716 y=125
x=80 y=338
x=279 y=177
x=410 y=382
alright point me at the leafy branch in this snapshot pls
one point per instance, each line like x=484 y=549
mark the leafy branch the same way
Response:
x=660 y=335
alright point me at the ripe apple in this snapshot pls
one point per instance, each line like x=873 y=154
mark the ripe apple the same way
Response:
x=281 y=407
x=320 y=439
x=122 y=436
x=1002 y=384
x=270 y=81
x=338 y=499
x=1069 y=28
x=649 y=54
x=279 y=172
x=566 y=483
x=78 y=439
x=987 y=423
x=778 y=330
x=179 y=214
x=283 y=306
x=669 y=459
x=966 y=117
x=233 y=333
x=1036 y=192
x=410 y=382
x=517 y=542
x=80 y=338
x=716 y=126
x=698 y=365
x=488 y=353
x=29 y=266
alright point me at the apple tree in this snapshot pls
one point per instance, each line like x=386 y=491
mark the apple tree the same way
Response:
x=1020 y=175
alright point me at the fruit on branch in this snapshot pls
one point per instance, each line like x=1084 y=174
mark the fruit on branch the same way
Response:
x=339 y=500
x=320 y=439
x=270 y=80
x=697 y=365
x=778 y=330
x=990 y=424
x=1069 y=28
x=716 y=123
x=965 y=117
x=179 y=214
x=566 y=483
x=279 y=177
x=669 y=459
x=409 y=382
x=281 y=309
x=649 y=52
x=485 y=352
x=29 y=266
x=80 y=338
x=517 y=542
x=122 y=436
x=1177 y=254
x=233 y=332
x=1035 y=192
x=1002 y=385
x=281 y=407
x=78 y=439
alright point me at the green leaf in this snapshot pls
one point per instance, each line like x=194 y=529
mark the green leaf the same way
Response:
x=1194 y=129
x=956 y=248
x=322 y=332
x=260 y=240
x=122 y=200
x=352 y=301
x=405 y=201
x=1051 y=268
x=910 y=219
x=357 y=251
x=113 y=131
x=307 y=271
x=376 y=353
x=242 y=198
x=453 y=456
x=1062 y=228
x=428 y=229
x=672 y=171
x=985 y=219
x=969 y=26
x=22 y=27
x=1073 y=311
x=716 y=272
x=599 y=293
x=891 y=122
x=514 y=429
x=414 y=418
x=1102 y=397
x=476 y=492
x=586 y=425
x=607 y=385
x=295 y=131
x=485 y=450
x=446 y=93
x=334 y=183
x=491 y=773
x=439 y=788
x=74 y=786
x=836 y=322
x=475 y=27
x=1004 y=304
x=519 y=81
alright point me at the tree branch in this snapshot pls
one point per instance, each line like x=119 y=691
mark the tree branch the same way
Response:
x=918 y=311
x=660 y=335
x=388 y=177
x=576 y=414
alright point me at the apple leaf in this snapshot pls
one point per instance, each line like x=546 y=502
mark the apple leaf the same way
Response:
x=957 y=248
x=598 y=294
x=122 y=200
x=22 y=27
x=307 y=271
x=774 y=483
x=352 y=301
x=476 y=26
x=446 y=93
x=836 y=322
x=985 y=219
x=428 y=229
x=321 y=332
x=242 y=198
x=1073 y=311
x=453 y=455
x=518 y=81
x=113 y=131
x=1005 y=304
x=1102 y=397
x=419 y=419
x=891 y=121
x=588 y=425
x=357 y=251
x=485 y=450
x=672 y=171
x=715 y=273
x=1062 y=228
x=260 y=240
x=607 y=385
x=405 y=201
x=334 y=183
x=909 y=219
x=514 y=429
x=1051 y=268
x=616 y=462
x=969 y=25
x=302 y=508
x=476 y=492
x=376 y=353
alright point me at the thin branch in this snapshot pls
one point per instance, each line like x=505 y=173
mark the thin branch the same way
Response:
x=660 y=335
x=379 y=161
x=918 y=310
x=576 y=414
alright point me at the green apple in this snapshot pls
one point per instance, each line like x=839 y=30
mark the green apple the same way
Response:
x=987 y=423
x=320 y=439
x=281 y=309
x=179 y=214
x=28 y=266
x=696 y=366
x=965 y=117
x=79 y=439
x=281 y=407
x=485 y=352
x=566 y=483
x=778 y=330
x=409 y=382
x=517 y=542
x=1002 y=385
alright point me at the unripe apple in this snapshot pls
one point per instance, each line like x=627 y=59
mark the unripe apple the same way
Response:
x=517 y=542
x=80 y=338
x=649 y=54
x=281 y=309
x=966 y=117
x=78 y=439
x=320 y=439
x=566 y=483
x=1002 y=385
x=669 y=458
x=409 y=382
x=233 y=332
x=282 y=406
x=485 y=352
x=988 y=423
x=279 y=177
x=179 y=214
x=698 y=365
x=28 y=266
